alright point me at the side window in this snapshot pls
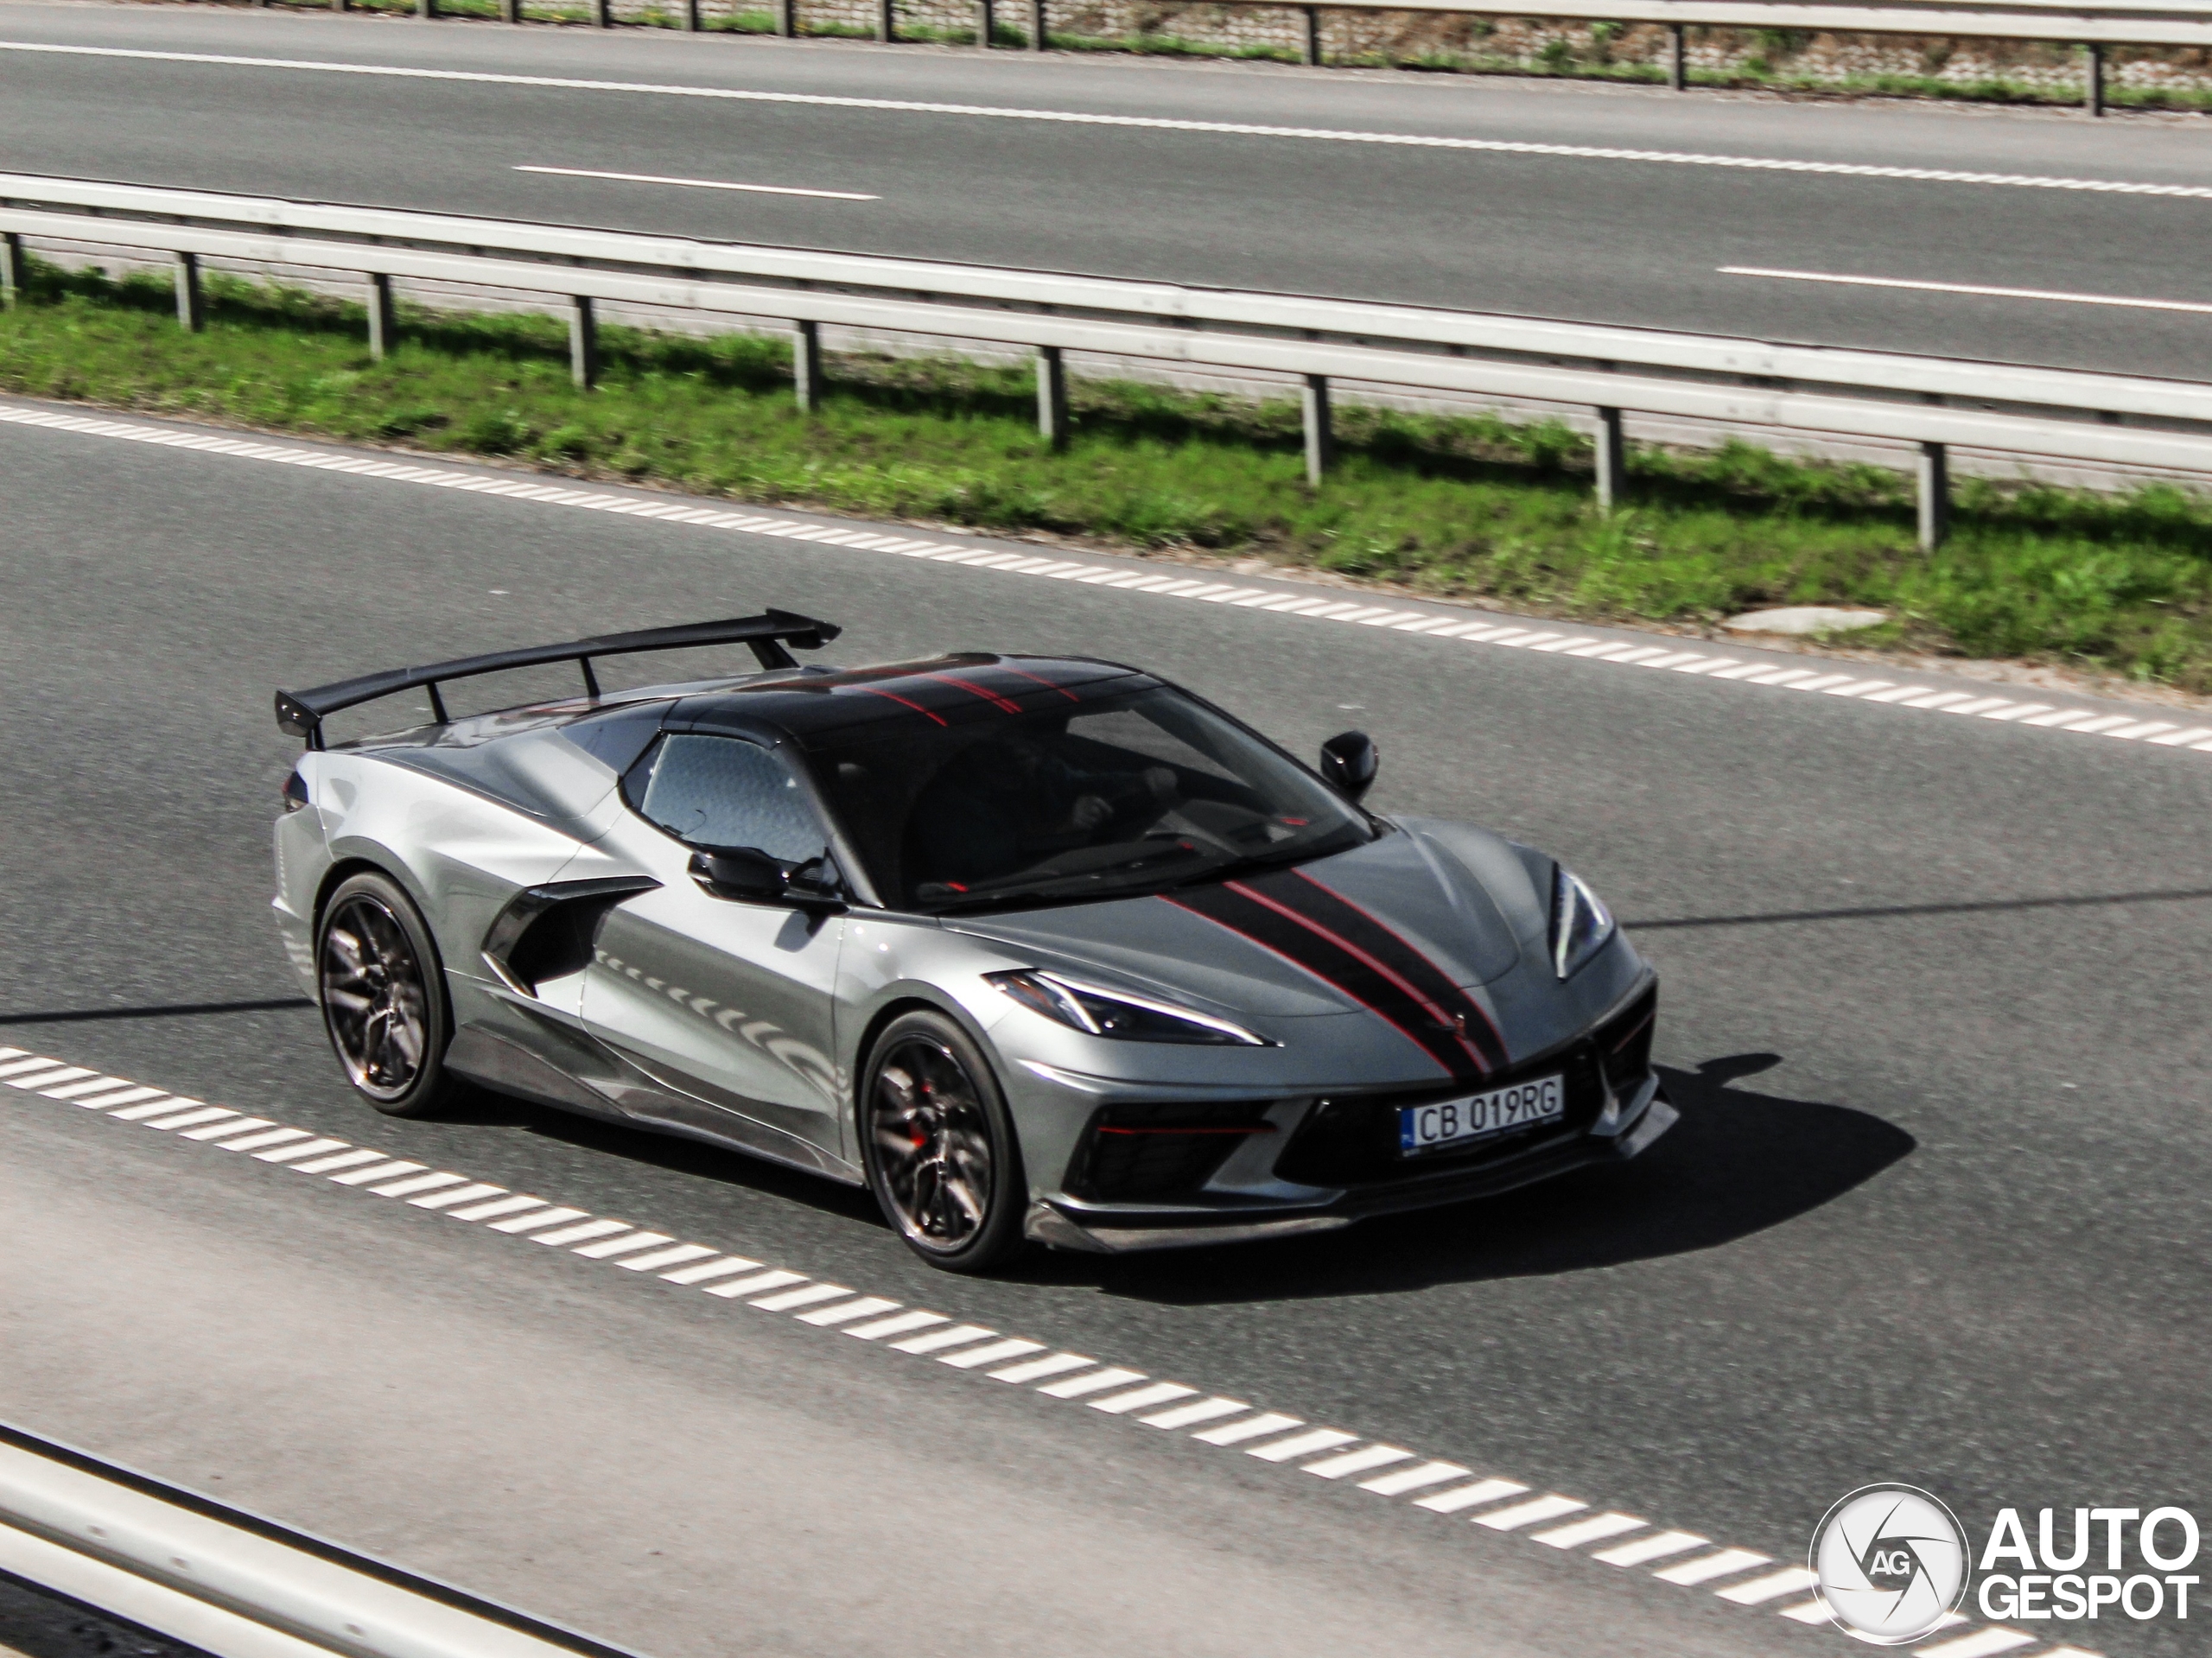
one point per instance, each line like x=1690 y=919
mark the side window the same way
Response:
x=720 y=792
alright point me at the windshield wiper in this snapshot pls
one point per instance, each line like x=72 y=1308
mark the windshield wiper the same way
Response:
x=1252 y=862
x=1050 y=891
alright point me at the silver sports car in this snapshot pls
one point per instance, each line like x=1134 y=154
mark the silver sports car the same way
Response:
x=1037 y=948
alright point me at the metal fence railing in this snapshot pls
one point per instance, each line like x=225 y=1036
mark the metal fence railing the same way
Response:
x=2094 y=25
x=1933 y=403
x=223 y=1581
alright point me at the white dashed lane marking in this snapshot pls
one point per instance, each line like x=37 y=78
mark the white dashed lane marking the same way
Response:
x=1740 y=1577
x=1423 y=625
x=1152 y=123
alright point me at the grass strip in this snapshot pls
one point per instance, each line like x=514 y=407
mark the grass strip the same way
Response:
x=1473 y=507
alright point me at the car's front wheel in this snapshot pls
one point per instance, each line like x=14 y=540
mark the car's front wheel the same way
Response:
x=383 y=994
x=939 y=1146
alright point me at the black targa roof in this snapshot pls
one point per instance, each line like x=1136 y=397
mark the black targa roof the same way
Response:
x=948 y=690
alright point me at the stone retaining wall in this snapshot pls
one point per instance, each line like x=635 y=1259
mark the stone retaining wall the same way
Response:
x=1495 y=42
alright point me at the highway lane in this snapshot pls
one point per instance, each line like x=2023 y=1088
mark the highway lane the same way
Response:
x=1934 y=1212
x=688 y=1477
x=1610 y=239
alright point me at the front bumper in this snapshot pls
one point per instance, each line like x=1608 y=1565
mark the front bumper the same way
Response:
x=1068 y=1224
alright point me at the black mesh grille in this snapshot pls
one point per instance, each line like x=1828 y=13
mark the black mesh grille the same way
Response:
x=1149 y=1153
x=1625 y=1043
x=1354 y=1142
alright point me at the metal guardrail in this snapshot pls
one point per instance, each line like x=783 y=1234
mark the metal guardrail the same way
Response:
x=1934 y=403
x=2093 y=25
x=232 y=1583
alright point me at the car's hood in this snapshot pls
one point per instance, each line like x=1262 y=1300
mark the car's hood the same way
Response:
x=1420 y=883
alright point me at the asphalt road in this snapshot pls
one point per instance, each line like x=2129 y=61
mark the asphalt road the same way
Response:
x=1590 y=239
x=1935 y=1212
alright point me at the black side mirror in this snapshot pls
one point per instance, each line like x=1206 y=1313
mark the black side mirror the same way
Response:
x=1348 y=761
x=745 y=874
x=739 y=871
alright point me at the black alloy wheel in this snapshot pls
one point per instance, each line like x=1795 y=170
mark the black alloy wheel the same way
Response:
x=383 y=994
x=939 y=1146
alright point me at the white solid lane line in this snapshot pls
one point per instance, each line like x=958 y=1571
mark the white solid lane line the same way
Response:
x=1978 y=290
x=700 y=184
x=2121 y=726
x=1158 y=123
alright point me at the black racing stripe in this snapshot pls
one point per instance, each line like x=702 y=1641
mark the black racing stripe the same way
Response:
x=1246 y=915
x=1295 y=890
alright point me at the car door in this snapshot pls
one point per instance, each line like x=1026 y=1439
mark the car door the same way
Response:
x=728 y=1004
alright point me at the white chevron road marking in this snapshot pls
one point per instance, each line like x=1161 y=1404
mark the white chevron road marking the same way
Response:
x=1734 y=1576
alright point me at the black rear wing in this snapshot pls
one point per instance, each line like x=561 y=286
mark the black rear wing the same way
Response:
x=302 y=712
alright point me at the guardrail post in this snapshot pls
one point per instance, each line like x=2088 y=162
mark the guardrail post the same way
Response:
x=1934 y=491
x=1678 y=59
x=2094 y=94
x=887 y=24
x=1313 y=36
x=191 y=303
x=1612 y=458
x=787 y=18
x=583 y=339
x=691 y=16
x=382 y=334
x=983 y=21
x=426 y=7
x=602 y=15
x=1052 y=396
x=1038 y=41
x=1321 y=439
x=806 y=366
x=509 y=11
x=11 y=266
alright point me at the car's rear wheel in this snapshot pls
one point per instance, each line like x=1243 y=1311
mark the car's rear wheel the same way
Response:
x=383 y=994
x=939 y=1146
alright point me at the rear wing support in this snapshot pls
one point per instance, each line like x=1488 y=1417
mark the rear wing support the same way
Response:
x=302 y=712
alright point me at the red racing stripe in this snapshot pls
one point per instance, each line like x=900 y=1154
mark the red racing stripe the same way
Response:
x=1359 y=926
x=1352 y=974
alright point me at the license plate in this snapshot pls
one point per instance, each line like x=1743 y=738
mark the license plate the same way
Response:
x=1453 y=1122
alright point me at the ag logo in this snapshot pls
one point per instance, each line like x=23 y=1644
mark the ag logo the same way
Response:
x=1892 y=1564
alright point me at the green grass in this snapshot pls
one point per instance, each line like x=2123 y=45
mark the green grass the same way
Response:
x=1559 y=60
x=1463 y=507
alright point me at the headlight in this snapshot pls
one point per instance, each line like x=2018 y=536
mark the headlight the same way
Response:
x=1095 y=1012
x=1580 y=923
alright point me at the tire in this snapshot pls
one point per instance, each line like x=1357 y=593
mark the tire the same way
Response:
x=940 y=1146
x=384 y=1001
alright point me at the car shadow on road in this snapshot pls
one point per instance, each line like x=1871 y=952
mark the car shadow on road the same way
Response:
x=701 y=1159
x=1738 y=1163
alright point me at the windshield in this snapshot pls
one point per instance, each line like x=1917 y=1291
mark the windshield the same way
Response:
x=1125 y=795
